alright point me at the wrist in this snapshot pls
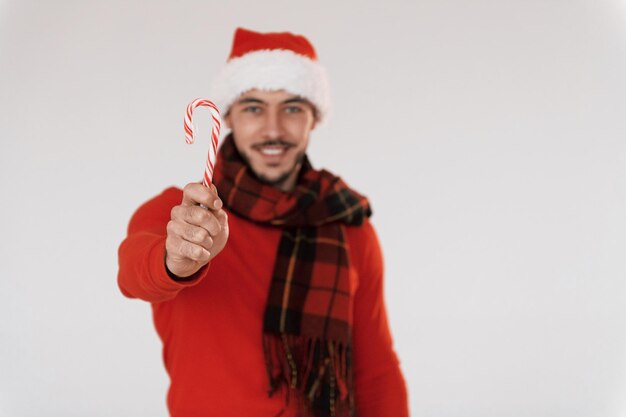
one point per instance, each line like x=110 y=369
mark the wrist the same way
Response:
x=183 y=278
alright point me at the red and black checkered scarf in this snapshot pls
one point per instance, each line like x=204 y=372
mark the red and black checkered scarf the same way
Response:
x=307 y=327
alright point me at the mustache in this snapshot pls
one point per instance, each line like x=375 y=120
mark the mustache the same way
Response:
x=274 y=142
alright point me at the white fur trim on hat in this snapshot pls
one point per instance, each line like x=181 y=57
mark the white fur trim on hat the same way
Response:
x=270 y=70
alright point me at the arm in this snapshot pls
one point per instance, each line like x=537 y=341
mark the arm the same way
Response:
x=166 y=235
x=380 y=389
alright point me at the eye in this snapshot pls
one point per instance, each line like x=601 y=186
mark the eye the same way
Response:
x=252 y=109
x=293 y=109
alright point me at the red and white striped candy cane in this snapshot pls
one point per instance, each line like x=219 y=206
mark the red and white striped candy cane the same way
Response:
x=215 y=134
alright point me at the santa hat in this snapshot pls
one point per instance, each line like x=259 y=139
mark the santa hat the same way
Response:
x=272 y=61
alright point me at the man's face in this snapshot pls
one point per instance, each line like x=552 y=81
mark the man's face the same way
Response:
x=271 y=131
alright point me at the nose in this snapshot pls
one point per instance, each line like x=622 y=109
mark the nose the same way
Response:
x=273 y=125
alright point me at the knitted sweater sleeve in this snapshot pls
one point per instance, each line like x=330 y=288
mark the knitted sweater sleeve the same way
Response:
x=142 y=272
x=380 y=389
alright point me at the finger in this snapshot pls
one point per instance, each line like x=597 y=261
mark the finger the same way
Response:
x=197 y=216
x=180 y=248
x=222 y=217
x=195 y=194
x=193 y=234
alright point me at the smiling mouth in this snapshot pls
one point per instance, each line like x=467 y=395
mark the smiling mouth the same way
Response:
x=273 y=148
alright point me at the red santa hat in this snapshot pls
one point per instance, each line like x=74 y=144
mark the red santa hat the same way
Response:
x=272 y=61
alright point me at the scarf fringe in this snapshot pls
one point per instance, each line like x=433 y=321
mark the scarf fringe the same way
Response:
x=320 y=371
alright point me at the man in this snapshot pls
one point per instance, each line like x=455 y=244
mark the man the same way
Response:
x=269 y=296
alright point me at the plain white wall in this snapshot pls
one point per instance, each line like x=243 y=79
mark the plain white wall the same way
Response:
x=489 y=135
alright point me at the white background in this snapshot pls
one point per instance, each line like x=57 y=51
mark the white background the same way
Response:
x=489 y=135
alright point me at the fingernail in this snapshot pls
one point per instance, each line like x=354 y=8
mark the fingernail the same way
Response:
x=217 y=203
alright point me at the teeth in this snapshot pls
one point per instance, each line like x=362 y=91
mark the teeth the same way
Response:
x=272 y=151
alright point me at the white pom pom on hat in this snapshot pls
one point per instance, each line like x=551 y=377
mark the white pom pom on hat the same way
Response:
x=272 y=61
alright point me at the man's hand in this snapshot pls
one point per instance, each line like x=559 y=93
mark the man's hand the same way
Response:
x=195 y=234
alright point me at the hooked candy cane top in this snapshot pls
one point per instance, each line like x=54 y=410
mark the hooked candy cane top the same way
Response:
x=215 y=134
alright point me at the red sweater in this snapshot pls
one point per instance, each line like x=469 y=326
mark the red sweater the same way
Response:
x=211 y=326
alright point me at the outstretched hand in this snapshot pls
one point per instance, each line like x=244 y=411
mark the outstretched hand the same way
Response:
x=195 y=233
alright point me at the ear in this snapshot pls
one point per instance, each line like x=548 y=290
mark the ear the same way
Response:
x=316 y=117
x=226 y=120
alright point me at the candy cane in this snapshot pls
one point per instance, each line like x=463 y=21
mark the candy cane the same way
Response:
x=215 y=134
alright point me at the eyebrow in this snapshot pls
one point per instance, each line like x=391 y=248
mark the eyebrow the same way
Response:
x=250 y=100
x=295 y=100
x=246 y=100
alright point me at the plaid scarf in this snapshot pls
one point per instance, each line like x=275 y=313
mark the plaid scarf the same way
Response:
x=307 y=326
